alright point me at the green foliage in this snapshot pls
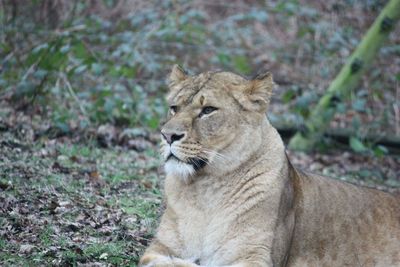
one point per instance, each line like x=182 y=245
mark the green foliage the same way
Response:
x=90 y=68
x=348 y=78
x=357 y=145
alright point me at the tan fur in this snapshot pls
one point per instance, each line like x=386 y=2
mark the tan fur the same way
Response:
x=248 y=206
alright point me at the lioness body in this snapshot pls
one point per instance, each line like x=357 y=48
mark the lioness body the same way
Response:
x=234 y=199
x=339 y=224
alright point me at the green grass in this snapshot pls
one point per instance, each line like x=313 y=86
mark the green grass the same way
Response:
x=144 y=208
x=73 y=217
x=46 y=236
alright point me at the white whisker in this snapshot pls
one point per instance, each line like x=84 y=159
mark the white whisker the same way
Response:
x=218 y=156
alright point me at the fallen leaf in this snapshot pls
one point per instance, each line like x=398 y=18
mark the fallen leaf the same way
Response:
x=147 y=184
x=53 y=205
x=94 y=175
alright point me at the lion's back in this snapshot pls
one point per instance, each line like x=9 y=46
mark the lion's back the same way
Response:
x=341 y=224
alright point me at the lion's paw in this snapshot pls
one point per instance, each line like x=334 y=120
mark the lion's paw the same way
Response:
x=170 y=262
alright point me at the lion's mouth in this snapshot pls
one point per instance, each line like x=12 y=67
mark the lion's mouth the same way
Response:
x=172 y=156
x=197 y=162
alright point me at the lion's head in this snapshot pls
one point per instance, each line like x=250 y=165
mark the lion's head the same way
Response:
x=214 y=121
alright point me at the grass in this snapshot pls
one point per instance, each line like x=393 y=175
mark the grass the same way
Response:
x=72 y=204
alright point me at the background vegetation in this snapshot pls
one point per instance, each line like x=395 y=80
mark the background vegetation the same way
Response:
x=81 y=99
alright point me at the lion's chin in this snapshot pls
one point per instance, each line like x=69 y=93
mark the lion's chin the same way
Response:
x=178 y=168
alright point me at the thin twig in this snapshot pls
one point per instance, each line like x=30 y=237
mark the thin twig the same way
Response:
x=75 y=97
x=397 y=110
x=6 y=58
x=75 y=28
x=31 y=68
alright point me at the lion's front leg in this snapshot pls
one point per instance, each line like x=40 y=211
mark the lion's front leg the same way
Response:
x=158 y=255
x=158 y=260
x=249 y=264
x=163 y=250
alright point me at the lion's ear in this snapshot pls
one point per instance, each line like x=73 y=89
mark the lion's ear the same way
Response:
x=259 y=91
x=178 y=74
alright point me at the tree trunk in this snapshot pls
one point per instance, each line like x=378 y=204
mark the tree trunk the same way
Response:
x=348 y=78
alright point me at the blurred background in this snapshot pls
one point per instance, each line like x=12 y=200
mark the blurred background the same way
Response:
x=82 y=87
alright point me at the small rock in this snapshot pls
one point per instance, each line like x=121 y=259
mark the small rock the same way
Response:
x=26 y=248
x=62 y=158
x=73 y=227
x=130 y=133
x=64 y=203
x=103 y=256
x=316 y=166
x=57 y=166
x=139 y=144
x=106 y=134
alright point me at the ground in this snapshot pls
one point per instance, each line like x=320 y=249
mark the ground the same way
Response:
x=63 y=203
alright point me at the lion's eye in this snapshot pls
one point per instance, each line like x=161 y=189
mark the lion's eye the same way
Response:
x=173 y=109
x=207 y=110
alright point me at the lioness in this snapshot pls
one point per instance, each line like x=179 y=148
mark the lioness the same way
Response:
x=234 y=199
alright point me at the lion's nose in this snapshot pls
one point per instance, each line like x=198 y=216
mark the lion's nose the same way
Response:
x=172 y=137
